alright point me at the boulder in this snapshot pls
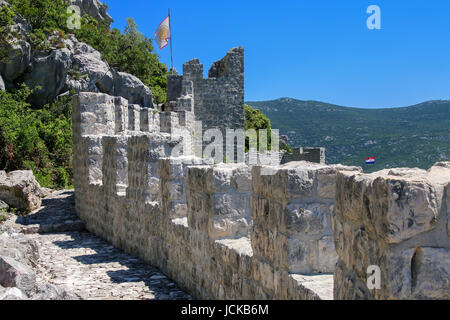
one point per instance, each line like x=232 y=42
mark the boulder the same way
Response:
x=89 y=72
x=93 y=8
x=132 y=89
x=19 y=189
x=49 y=71
x=18 y=60
x=51 y=292
x=16 y=274
x=69 y=64
x=18 y=247
x=3 y=206
x=18 y=49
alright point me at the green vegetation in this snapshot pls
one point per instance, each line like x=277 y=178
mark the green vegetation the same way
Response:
x=6 y=19
x=416 y=136
x=255 y=119
x=129 y=52
x=36 y=139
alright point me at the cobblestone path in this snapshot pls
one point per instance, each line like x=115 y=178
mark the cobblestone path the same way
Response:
x=84 y=264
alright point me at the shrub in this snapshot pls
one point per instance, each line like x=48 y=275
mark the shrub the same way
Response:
x=129 y=51
x=40 y=139
x=36 y=139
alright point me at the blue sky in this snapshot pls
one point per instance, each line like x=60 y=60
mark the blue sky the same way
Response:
x=312 y=49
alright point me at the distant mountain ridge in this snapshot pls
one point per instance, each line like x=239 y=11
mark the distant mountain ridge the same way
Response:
x=414 y=136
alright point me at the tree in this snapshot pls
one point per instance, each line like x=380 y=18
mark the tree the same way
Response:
x=255 y=119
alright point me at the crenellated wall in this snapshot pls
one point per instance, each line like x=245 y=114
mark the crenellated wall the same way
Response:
x=205 y=225
x=396 y=220
x=239 y=231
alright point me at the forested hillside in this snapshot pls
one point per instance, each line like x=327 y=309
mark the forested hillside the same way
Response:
x=415 y=136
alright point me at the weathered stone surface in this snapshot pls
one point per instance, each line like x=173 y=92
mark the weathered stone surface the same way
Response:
x=225 y=208
x=19 y=57
x=75 y=264
x=395 y=219
x=15 y=274
x=132 y=89
x=321 y=285
x=90 y=72
x=94 y=8
x=19 y=189
x=15 y=246
x=49 y=71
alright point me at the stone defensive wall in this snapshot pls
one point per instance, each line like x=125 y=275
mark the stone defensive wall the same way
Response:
x=223 y=231
x=300 y=230
x=398 y=220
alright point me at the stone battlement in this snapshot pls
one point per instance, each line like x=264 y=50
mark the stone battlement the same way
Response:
x=224 y=231
x=231 y=230
x=220 y=231
x=305 y=154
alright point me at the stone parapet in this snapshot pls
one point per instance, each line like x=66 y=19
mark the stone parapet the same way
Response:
x=396 y=220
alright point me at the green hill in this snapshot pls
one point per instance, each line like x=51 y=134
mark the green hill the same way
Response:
x=415 y=136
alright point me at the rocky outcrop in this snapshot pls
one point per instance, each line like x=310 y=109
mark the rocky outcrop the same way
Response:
x=15 y=274
x=93 y=8
x=89 y=73
x=292 y=206
x=80 y=67
x=49 y=71
x=18 y=50
x=19 y=189
x=132 y=89
x=69 y=64
x=398 y=221
x=19 y=257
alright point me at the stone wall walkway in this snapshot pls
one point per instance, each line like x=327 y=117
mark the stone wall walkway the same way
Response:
x=84 y=264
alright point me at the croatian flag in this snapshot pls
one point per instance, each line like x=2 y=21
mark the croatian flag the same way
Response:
x=370 y=160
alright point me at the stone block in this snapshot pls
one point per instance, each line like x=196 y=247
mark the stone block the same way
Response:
x=394 y=219
x=19 y=189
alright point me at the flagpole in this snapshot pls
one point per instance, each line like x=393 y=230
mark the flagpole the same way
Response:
x=170 y=28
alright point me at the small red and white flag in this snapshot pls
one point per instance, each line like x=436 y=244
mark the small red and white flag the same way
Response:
x=370 y=160
x=163 y=34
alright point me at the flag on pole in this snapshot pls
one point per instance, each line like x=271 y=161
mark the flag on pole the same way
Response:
x=370 y=160
x=163 y=34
